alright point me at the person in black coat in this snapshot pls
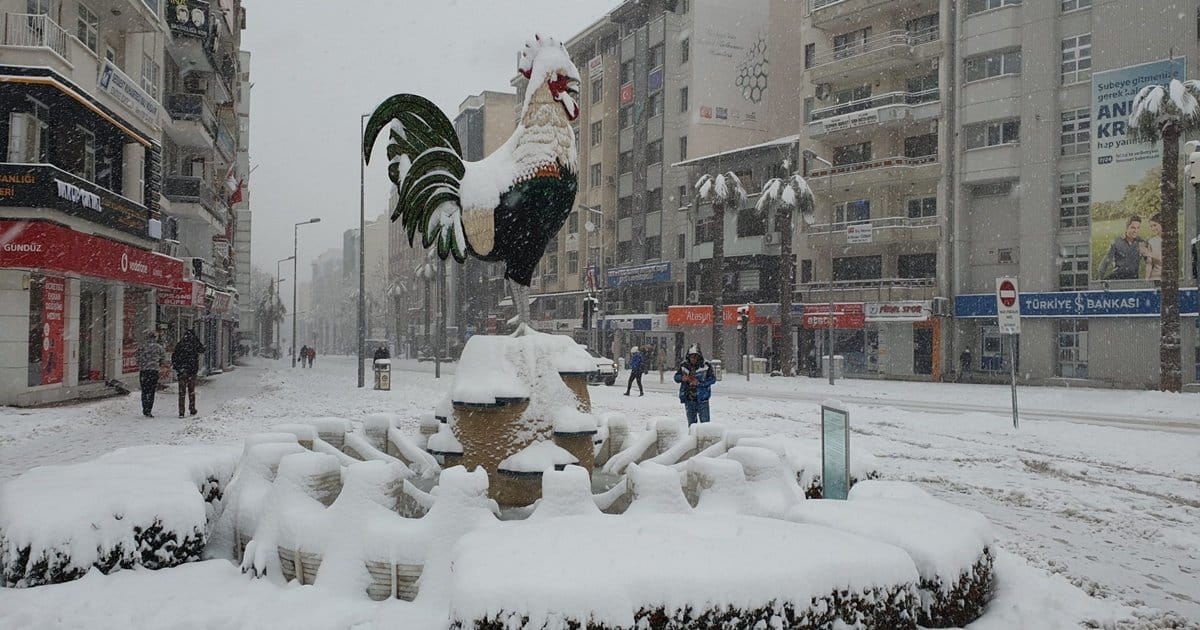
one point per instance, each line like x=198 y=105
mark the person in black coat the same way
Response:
x=185 y=360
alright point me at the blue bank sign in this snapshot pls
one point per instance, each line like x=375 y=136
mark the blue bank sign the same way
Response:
x=652 y=273
x=1143 y=303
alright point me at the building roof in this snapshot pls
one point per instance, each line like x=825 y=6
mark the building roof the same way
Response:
x=786 y=140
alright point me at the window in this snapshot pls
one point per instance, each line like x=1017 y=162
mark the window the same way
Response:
x=550 y=271
x=992 y=134
x=597 y=175
x=655 y=56
x=573 y=262
x=921 y=146
x=704 y=231
x=552 y=245
x=597 y=90
x=681 y=245
x=652 y=250
x=809 y=104
x=626 y=72
x=683 y=153
x=575 y=132
x=1072 y=5
x=852 y=154
x=751 y=222
x=858 y=268
x=1074 y=270
x=80 y=153
x=654 y=200
x=922 y=89
x=919 y=207
x=1076 y=137
x=683 y=99
x=682 y=199
x=1072 y=348
x=748 y=280
x=806 y=271
x=596 y=132
x=993 y=65
x=848 y=44
x=625 y=162
x=916 y=265
x=1077 y=58
x=29 y=134
x=625 y=117
x=150 y=72
x=994 y=189
x=978 y=6
x=624 y=207
x=922 y=29
x=37 y=7
x=1074 y=199
x=850 y=95
x=685 y=6
x=1004 y=256
x=573 y=222
x=810 y=53
x=685 y=50
x=624 y=252
x=851 y=211
x=654 y=152
x=87 y=28
x=654 y=105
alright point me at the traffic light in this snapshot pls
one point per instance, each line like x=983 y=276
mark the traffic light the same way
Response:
x=591 y=306
x=743 y=317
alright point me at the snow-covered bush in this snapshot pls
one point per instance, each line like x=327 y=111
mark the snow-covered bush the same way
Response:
x=804 y=457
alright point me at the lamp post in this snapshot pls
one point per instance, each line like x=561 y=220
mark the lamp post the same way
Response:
x=278 y=335
x=362 y=256
x=829 y=314
x=295 y=248
x=600 y=263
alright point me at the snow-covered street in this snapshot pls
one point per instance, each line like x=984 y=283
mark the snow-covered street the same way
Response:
x=1113 y=510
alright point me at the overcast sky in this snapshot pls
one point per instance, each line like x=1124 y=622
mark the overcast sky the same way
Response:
x=317 y=66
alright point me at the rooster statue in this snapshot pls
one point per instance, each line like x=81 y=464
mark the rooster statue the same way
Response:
x=505 y=207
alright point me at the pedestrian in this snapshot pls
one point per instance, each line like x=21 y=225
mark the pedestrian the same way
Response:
x=695 y=377
x=303 y=358
x=382 y=353
x=185 y=359
x=964 y=363
x=312 y=354
x=150 y=357
x=636 y=365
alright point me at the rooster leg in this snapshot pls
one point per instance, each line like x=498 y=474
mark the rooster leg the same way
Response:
x=520 y=295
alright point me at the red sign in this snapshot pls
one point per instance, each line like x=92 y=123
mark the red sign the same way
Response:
x=1008 y=293
x=221 y=301
x=627 y=93
x=680 y=316
x=186 y=293
x=845 y=316
x=49 y=247
x=54 y=300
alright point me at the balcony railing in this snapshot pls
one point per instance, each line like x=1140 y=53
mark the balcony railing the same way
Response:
x=225 y=141
x=872 y=283
x=874 y=164
x=899 y=37
x=188 y=189
x=876 y=224
x=813 y=5
x=192 y=107
x=26 y=30
x=873 y=102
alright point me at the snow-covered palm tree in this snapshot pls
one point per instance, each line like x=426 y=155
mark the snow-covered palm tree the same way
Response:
x=1166 y=112
x=723 y=190
x=786 y=195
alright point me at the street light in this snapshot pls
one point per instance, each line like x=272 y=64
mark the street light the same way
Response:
x=278 y=334
x=295 y=248
x=809 y=155
x=362 y=256
x=591 y=227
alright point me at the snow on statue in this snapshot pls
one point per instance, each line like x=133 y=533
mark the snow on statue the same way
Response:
x=505 y=207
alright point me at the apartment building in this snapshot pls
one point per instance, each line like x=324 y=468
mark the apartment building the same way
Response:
x=248 y=326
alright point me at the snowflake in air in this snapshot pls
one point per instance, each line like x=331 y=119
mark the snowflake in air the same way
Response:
x=752 y=72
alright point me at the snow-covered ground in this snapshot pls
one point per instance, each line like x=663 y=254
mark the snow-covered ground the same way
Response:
x=1100 y=487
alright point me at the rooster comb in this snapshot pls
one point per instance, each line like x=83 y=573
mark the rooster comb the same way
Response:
x=531 y=50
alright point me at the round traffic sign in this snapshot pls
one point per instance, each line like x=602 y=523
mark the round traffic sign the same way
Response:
x=1008 y=293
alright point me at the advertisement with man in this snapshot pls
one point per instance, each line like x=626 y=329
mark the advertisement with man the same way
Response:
x=1126 y=221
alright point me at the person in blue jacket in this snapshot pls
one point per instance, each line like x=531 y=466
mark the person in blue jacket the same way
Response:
x=695 y=377
x=636 y=365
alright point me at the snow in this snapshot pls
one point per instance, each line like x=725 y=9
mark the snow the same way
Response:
x=656 y=490
x=444 y=442
x=566 y=492
x=485 y=373
x=538 y=457
x=570 y=419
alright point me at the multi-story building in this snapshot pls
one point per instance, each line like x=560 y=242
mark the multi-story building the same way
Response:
x=241 y=239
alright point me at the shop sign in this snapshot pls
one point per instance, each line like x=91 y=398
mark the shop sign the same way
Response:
x=645 y=324
x=850 y=121
x=596 y=67
x=186 y=293
x=44 y=246
x=686 y=316
x=1078 y=304
x=45 y=186
x=125 y=91
x=898 y=311
x=844 y=316
x=54 y=299
x=859 y=233
x=653 y=273
x=188 y=18
x=221 y=301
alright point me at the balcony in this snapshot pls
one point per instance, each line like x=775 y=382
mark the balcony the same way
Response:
x=877 y=54
x=884 y=110
x=193 y=122
x=884 y=230
x=874 y=290
x=225 y=142
x=840 y=15
x=24 y=30
x=881 y=171
x=192 y=197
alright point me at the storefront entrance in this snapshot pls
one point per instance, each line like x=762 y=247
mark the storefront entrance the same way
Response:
x=922 y=350
x=93 y=332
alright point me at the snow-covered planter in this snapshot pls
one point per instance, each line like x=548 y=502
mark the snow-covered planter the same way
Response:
x=678 y=571
x=146 y=506
x=804 y=456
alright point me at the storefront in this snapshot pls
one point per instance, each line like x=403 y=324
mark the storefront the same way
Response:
x=693 y=324
x=78 y=304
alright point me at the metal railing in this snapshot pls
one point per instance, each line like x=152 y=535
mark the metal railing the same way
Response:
x=876 y=224
x=813 y=5
x=192 y=107
x=190 y=189
x=873 y=102
x=872 y=283
x=30 y=30
x=887 y=39
x=842 y=169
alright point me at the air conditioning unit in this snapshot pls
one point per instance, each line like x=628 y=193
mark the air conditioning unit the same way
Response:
x=612 y=180
x=195 y=83
x=941 y=307
x=693 y=297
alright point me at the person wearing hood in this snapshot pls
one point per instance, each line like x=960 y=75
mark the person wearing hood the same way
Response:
x=695 y=377
x=185 y=359
x=636 y=365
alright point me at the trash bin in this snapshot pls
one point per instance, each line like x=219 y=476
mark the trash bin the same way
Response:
x=718 y=368
x=839 y=366
x=383 y=374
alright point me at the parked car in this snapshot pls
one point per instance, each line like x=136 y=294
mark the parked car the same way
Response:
x=606 y=369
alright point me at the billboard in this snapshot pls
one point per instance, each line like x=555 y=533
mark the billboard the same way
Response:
x=1125 y=196
x=729 y=59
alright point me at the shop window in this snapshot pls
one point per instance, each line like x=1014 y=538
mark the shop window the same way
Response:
x=917 y=265
x=47 y=347
x=919 y=207
x=93 y=328
x=850 y=268
x=751 y=222
x=1074 y=268
x=1072 y=348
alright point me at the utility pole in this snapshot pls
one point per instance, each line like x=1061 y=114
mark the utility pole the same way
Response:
x=362 y=255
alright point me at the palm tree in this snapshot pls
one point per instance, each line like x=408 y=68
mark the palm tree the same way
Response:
x=722 y=189
x=270 y=310
x=786 y=195
x=1167 y=112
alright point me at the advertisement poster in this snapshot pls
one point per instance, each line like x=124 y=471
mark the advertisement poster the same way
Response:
x=729 y=59
x=54 y=299
x=1126 y=201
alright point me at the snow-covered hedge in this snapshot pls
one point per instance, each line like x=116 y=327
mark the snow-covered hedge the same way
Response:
x=145 y=506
